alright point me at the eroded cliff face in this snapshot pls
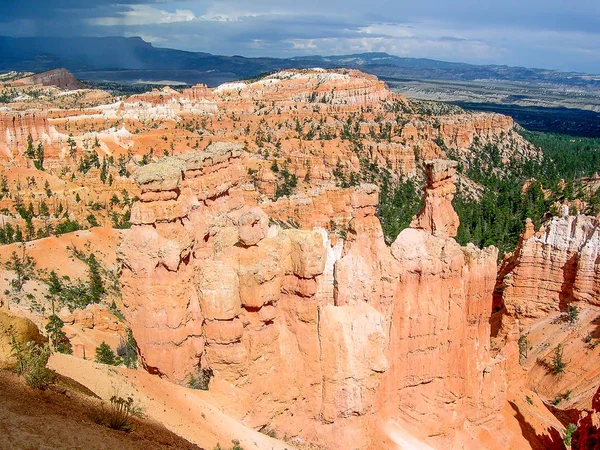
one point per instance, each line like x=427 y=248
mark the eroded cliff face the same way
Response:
x=547 y=292
x=552 y=269
x=16 y=127
x=338 y=343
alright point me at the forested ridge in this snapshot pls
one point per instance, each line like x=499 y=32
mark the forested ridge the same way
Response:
x=498 y=216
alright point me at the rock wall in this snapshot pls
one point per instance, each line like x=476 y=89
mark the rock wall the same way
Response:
x=551 y=269
x=325 y=342
x=16 y=127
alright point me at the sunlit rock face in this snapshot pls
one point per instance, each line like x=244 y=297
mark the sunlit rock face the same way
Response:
x=553 y=268
x=321 y=340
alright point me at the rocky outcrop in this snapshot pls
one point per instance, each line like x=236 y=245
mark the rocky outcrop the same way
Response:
x=437 y=216
x=159 y=281
x=460 y=131
x=87 y=328
x=551 y=269
x=16 y=128
x=547 y=292
x=22 y=331
x=333 y=87
x=325 y=342
x=61 y=78
x=316 y=208
x=587 y=434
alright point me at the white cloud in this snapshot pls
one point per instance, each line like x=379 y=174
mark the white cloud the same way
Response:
x=410 y=46
x=214 y=16
x=144 y=15
x=388 y=29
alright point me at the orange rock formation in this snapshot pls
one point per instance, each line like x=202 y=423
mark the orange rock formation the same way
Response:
x=323 y=343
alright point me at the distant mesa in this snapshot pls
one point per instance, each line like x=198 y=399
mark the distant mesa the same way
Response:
x=61 y=78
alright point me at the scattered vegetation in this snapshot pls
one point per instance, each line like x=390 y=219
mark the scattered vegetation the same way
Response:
x=558 y=365
x=287 y=181
x=119 y=412
x=573 y=315
x=236 y=446
x=127 y=350
x=201 y=379
x=523 y=346
x=568 y=436
x=31 y=363
x=57 y=336
x=23 y=266
x=269 y=432
x=566 y=396
x=397 y=205
x=79 y=294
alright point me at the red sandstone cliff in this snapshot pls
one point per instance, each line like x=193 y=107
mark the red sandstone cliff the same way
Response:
x=333 y=345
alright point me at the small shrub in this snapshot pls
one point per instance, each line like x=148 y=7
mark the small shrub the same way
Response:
x=23 y=267
x=269 y=432
x=92 y=220
x=528 y=398
x=523 y=346
x=31 y=363
x=105 y=355
x=236 y=446
x=558 y=365
x=117 y=415
x=116 y=311
x=201 y=380
x=57 y=336
x=573 y=314
x=568 y=437
x=127 y=350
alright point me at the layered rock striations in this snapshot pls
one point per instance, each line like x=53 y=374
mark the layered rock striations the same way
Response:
x=60 y=78
x=337 y=344
x=552 y=269
x=15 y=129
x=437 y=216
x=547 y=293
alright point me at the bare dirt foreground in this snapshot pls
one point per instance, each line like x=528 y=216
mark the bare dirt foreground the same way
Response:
x=186 y=412
x=64 y=417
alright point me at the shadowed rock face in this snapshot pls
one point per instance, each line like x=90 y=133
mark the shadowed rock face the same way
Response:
x=319 y=340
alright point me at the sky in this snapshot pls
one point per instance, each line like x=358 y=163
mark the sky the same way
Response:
x=553 y=34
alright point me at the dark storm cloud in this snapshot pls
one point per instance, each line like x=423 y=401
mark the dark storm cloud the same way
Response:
x=39 y=9
x=551 y=33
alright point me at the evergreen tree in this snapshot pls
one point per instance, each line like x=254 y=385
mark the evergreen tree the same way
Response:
x=95 y=279
x=39 y=157
x=105 y=355
x=30 y=151
x=57 y=336
x=23 y=266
